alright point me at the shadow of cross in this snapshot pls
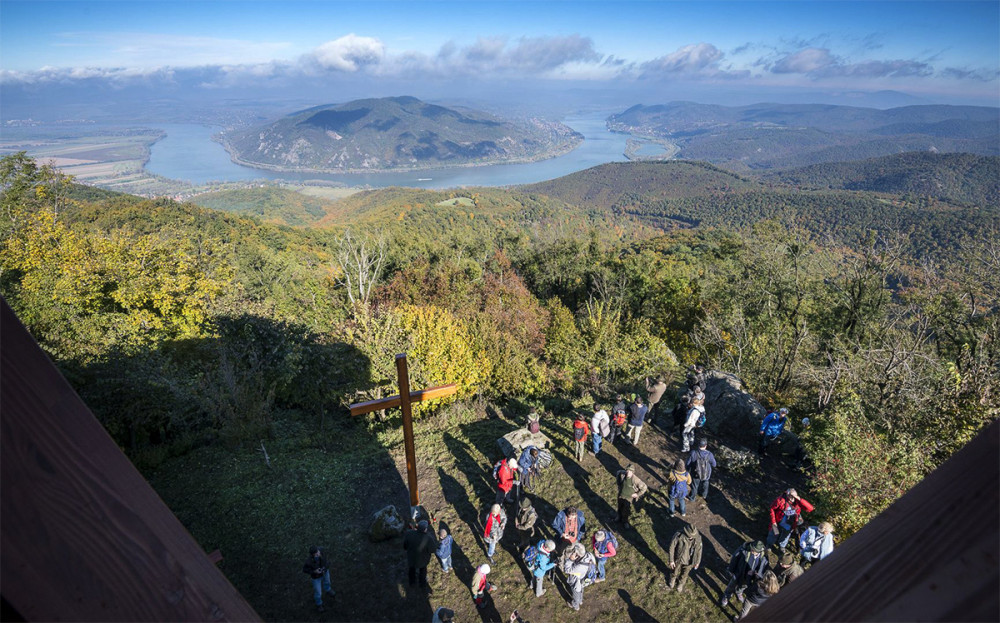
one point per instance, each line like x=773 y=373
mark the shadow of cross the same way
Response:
x=403 y=400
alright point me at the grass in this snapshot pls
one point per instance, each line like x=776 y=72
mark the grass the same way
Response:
x=456 y=202
x=321 y=488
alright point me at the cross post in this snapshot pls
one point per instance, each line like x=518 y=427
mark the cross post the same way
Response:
x=404 y=400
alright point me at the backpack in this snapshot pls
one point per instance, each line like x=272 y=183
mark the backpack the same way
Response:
x=579 y=433
x=701 y=420
x=496 y=469
x=530 y=557
x=610 y=538
x=679 y=489
x=544 y=459
x=701 y=465
x=619 y=418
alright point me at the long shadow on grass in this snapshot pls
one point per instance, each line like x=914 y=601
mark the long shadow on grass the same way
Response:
x=635 y=613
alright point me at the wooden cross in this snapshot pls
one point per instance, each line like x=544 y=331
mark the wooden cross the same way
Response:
x=403 y=400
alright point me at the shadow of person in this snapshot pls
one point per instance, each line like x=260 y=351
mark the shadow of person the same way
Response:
x=635 y=613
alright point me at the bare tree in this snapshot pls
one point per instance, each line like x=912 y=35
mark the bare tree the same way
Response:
x=361 y=261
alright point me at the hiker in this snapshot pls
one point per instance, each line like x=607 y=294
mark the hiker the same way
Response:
x=569 y=525
x=680 y=483
x=788 y=569
x=443 y=615
x=630 y=489
x=695 y=419
x=496 y=521
x=445 y=541
x=681 y=408
x=771 y=428
x=578 y=566
x=786 y=516
x=763 y=588
x=543 y=564
x=505 y=472
x=605 y=546
x=525 y=523
x=580 y=431
x=654 y=392
x=528 y=466
x=696 y=379
x=700 y=463
x=318 y=572
x=747 y=565
x=685 y=555
x=600 y=426
x=816 y=543
x=419 y=546
x=638 y=414
x=618 y=416
x=480 y=586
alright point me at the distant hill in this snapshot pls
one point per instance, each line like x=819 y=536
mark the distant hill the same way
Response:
x=963 y=179
x=763 y=136
x=394 y=133
x=273 y=205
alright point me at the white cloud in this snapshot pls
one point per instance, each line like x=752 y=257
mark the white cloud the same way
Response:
x=821 y=63
x=349 y=53
x=804 y=61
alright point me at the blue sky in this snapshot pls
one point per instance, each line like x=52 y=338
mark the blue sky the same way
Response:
x=925 y=48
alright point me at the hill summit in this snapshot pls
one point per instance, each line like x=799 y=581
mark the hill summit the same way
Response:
x=395 y=133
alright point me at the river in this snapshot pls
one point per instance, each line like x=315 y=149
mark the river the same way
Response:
x=188 y=153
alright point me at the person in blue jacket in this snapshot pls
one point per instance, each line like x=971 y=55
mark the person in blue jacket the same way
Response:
x=771 y=428
x=543 y=564
x=568 y=525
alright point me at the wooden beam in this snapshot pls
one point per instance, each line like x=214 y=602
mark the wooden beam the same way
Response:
x=404 y=405
x=431 y=393
x=933 y=555
x=85 y=538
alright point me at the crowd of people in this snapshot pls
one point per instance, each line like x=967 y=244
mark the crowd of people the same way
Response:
x=583 y=562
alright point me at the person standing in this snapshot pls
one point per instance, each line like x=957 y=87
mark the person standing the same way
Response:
x=600 y=426
x=680 y=484
x=786 y=515
x=771 y=428
x=543 y=564
x=654 y=392
x=619 y=414
x=700 y=463
x=816 y=543
x=528 y=464
x=685 y=555
x=569 y=526
x=763 y=588
x=319 y=573
x=580 y=431
x=605 y=546
x=695 y=418
x=525 y=523
x=638 y=416
x=419 y=546
x=746 y=566
x=577 y=566
x=496 y=522
x=445 y=541
x=630 y=489
x=505 y=474
x=480 y=586
x=788 y=569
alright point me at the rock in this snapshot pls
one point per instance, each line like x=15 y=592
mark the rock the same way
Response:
x=513 y=443
x=387 y=524
x=734 y=414
x=736 y=461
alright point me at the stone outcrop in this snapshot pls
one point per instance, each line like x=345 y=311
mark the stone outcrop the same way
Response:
x=734 y=414
x=513 y=443
x=386 y=524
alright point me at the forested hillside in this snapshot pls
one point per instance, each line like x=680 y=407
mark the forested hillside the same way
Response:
x=876 y=315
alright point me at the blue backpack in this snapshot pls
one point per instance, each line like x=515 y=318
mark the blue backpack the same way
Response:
x=530 y=557
x=679 y=489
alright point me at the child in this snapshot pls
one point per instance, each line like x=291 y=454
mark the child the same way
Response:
x=444 y=550
x=680 y=484
x=580 y=431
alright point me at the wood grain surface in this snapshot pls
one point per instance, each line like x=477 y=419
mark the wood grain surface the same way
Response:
x=934 y=555
x=84 y=536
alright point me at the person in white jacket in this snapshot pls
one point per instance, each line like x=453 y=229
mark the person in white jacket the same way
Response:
x=695 y=413
x=600 y=427
x=577 y=567
x=816 y=543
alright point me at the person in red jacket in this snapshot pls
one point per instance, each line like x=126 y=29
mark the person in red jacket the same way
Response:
x=505 y=480
x=786 y=515
x=580 y=431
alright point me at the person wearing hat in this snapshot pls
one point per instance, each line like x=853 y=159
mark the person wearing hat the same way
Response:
x=786 y=516
x=604 y=545
x=577 y=566
x=816 y=543
x=319 y=573
x=543 y=564
x=480 y=586
x=747 y=565
x=630 y=489
x=638 y=414
x=419 y=546
x=525 y=523
x=788 y=568
x=685 y=555
x=506 y=473
x=771 y=428
x=496 y=522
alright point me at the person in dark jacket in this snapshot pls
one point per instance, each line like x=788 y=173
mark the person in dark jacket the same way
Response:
x=763 y=588
x=528 y=464
x=654 y=392
x=771 y=428
x=419 y=546
x=747 y=566
x=525 y=523
x=685 y=555
x=630 y=489
x=700 y=464
x=319 y=573
x=619 y=414
x=788 y=569
x=638 y=415
x=569 y=526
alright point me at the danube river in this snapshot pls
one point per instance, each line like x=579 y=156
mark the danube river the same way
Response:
x=188 y=153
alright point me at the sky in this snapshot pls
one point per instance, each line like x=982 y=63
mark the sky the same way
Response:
x=935 y=51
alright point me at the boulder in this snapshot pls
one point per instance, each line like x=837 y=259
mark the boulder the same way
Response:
x=386 y=524
x=513 y=443
x=733 y=414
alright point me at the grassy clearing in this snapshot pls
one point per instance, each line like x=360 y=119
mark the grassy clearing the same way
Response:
x=457 y=202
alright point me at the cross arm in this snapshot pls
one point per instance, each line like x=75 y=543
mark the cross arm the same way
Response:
x=360 y=408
